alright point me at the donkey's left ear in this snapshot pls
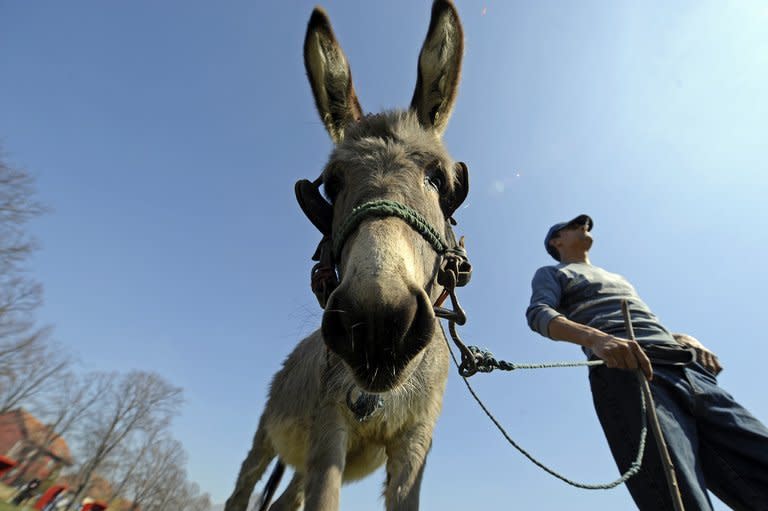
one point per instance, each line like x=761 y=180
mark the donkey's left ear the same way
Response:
x=329 y=75
x=439 y=67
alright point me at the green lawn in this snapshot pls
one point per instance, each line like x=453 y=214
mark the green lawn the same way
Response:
x=4 y=506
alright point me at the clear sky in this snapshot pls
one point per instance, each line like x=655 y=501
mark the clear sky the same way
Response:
x=167 y=136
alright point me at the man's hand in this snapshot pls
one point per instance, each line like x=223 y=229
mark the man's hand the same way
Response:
x=615 y=352
x=703 y=355
x=621 y=354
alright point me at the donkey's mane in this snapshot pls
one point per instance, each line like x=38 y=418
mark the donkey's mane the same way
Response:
x=392 y=134
x=387 y=124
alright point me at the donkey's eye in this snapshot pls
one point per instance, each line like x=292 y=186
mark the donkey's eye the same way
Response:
x=332 y=187
x=435 y=182
x=435 y=178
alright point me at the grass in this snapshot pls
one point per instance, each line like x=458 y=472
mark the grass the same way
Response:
x=6 y=493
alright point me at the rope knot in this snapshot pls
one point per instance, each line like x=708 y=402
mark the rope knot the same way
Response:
x=486 y=362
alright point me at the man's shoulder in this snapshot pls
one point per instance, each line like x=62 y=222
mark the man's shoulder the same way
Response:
x=551 y=268
x=555 y=268
x=552 y=271
x=572 y=270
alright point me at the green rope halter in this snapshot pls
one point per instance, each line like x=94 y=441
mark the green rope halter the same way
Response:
x=384 y=208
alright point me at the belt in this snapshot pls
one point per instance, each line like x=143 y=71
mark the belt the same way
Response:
x=666 y=354
x=669 y=354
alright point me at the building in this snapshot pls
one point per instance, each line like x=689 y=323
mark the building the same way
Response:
x=38 y=451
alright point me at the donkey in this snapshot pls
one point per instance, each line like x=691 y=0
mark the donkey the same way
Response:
x=367 y=387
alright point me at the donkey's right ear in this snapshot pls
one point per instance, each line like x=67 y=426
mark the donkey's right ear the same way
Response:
x=329 y=76
x=439 y=67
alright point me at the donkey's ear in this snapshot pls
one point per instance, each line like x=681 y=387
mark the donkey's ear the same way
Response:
x=329 y=76
x=439 y=67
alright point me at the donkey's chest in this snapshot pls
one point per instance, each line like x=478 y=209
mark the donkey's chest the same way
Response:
x=368 y=441
x=399 y=412
x=381 y=427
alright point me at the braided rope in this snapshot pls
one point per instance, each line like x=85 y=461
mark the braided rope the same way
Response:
x=487 y=363
x=384 y=208
x=634 y=468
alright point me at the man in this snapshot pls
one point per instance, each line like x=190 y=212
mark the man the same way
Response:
x=714 y=442
x=26 y=492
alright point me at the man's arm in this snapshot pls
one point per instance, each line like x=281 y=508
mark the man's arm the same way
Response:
x=544 y=318
x=546 y=291
x=615 y=352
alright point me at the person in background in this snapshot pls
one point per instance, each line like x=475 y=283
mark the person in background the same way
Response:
x=26 y=492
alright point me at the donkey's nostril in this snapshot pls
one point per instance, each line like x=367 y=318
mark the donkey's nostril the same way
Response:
x=422 y=327
x=336 y=332
x=332 y=321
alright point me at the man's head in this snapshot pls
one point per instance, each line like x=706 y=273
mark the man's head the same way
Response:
x=566 y=236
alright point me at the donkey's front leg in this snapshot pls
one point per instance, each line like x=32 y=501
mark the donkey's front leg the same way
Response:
x=406 y=458
x=327 y=456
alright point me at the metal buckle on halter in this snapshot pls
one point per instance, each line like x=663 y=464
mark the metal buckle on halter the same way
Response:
x=447 y=276
x=455 y=270
x=463 y=267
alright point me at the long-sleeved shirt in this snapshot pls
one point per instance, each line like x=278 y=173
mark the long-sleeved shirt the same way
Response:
x=592 y=296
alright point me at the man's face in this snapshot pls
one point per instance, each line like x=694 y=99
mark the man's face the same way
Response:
x=573 y=236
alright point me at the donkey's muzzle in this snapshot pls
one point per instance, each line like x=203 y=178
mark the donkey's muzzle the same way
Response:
x=377 y=343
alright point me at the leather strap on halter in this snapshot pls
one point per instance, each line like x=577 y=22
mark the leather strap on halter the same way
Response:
x=323 y=277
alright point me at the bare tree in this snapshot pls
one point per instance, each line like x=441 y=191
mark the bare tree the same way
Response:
x=154 y=478
x=28 y=367
x=28 y=359
x=19 y=294
x=17 y=207
x=136 y=460
x=130 y=403
x=167 y=495
x=19 y=297
x=200 y=503
x=190 y=498
x=161 y=466
x=177 y=493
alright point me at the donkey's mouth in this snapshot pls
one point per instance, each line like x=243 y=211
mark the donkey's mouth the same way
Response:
x=378 y=346
x=381 y=377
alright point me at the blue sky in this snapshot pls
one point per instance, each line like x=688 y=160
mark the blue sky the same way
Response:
x=167 y=136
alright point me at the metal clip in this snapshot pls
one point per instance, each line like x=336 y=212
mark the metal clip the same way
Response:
x=456 y=314
x=468 y=365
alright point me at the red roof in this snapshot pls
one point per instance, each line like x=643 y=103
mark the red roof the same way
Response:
x=6 y=462
x=37 y=432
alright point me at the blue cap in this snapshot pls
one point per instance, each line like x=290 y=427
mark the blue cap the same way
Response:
x=579 y=220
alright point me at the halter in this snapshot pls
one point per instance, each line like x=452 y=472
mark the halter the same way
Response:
x=385 y=208
x=324 y=274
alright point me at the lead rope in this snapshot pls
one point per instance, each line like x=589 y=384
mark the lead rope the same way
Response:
x=470 y=365
x=634 y=468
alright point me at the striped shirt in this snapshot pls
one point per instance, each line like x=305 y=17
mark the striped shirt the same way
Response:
x=591 y=296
